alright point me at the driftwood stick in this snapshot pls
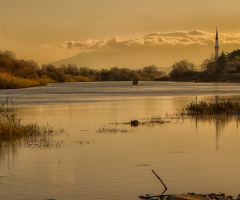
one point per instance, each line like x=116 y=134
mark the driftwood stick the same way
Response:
x=160 y=181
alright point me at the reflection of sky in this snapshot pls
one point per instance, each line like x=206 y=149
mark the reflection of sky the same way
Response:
x=222 y=124
x=101 y=91
x=185 y=157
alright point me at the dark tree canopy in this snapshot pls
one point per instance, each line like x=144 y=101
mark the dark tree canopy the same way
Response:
x=179 y=67
x=221 y=64
x=232 y=55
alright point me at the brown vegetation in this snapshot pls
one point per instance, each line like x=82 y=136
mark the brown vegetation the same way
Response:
x=16 y=73
x=8 y=81
x=213 y=108
x=12 y=130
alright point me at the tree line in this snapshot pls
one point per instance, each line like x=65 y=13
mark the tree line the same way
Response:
x=227 y=63
x=30 y=70
x=225 y=68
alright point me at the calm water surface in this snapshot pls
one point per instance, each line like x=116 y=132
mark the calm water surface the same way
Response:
x=189 y=155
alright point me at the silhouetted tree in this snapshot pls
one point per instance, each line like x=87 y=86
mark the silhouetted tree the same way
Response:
x=104 y=75
x=25 y=69
x=150 y=72
x=206 y=64
x=71 y=69
x=7 y=59
x=234 y=64
x=179 y=67
x=8 y=54
x=53 y=72
x=86 y=71
x=221 y=64
x=211 y=67
x=232 y=55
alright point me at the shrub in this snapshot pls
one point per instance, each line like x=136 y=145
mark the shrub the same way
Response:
x=163 y=78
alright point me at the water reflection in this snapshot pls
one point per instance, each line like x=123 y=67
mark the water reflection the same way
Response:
x=125 y=156
x=219 y=122
x=191 y=154
x=8 y=155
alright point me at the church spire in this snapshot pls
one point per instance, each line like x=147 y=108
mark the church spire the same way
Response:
x=216 y=46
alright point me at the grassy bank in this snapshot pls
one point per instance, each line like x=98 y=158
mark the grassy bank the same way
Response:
x=12 y=130
x=8 y=81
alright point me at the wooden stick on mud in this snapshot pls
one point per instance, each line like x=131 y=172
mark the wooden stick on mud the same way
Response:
x=161 y=181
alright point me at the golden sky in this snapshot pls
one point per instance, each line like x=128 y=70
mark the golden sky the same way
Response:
x=51 y=30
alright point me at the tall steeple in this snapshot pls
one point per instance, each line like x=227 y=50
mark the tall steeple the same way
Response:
x=216 y=46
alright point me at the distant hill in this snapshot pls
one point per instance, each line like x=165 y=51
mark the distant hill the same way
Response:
x=111 y=58
x=95 y=59
x=134 y=58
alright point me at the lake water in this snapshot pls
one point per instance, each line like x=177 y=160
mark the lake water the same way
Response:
x=189 y=155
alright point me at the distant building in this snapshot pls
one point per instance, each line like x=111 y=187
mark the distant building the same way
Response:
x=216 y=46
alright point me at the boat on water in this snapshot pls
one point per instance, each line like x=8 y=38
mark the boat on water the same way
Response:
x=135 y=82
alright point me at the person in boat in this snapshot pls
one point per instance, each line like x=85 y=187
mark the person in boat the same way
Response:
x=135 y=82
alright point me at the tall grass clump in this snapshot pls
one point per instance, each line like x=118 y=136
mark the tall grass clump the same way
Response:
x=213 y=108
x=11 y=128
x=8 y=81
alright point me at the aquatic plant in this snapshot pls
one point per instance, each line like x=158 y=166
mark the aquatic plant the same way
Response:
x=112 y=129
x=11 y=128
x=213 y=108
x=155 y=120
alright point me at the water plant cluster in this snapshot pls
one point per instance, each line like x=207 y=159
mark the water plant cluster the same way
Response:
x=112 y=129
x=12 y=130
x=222 y=107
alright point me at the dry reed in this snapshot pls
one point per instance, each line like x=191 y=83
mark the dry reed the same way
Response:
x=11 y=128
x=213 y=108
x=8 y=81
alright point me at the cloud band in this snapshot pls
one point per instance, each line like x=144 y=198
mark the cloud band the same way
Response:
x=183 y=38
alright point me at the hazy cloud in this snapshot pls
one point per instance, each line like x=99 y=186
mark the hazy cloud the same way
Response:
x=184 y=38
x=230 y=39
x=46 y=46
